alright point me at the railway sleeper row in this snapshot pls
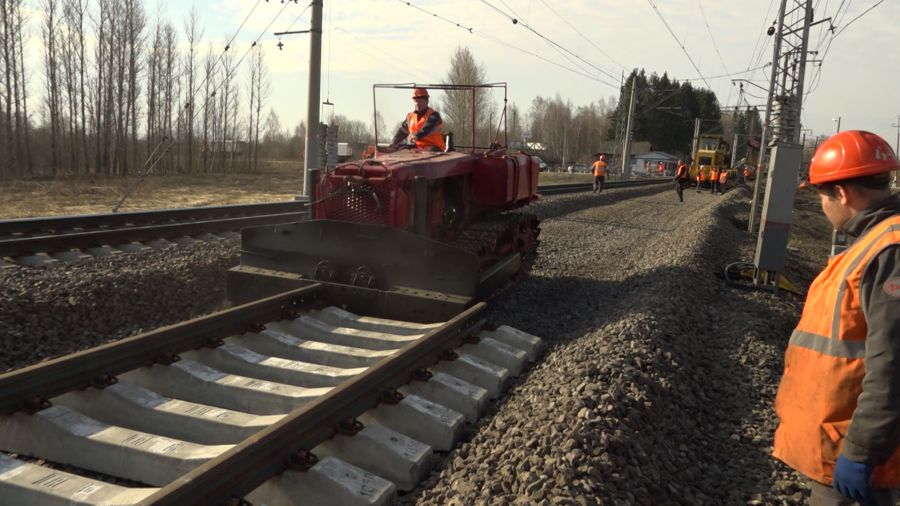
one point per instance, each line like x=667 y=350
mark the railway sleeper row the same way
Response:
x=151 y=425
x=74 y=255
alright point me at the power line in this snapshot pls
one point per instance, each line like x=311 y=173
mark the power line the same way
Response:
x=517 y=21
x=583 y=35
x=678 y=42
x=397 y=63
x=713 y=39
x=504 y=43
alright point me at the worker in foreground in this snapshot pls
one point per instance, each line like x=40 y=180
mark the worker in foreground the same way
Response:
x=599 y=173
x=423 y=126
x=839 y=398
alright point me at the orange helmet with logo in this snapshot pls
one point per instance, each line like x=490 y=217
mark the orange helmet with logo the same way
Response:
x=420 y=93
x=850 y=154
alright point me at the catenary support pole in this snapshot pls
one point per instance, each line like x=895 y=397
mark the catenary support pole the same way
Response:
x=312 y=104
x=626 y=152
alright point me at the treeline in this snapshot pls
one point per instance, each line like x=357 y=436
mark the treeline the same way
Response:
x=118 y=92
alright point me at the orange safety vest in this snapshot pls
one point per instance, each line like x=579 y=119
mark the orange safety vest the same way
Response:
x=746 y=172
x=701 y=175
x=723 y=177
x=714 y=174
x=599 y=168
x=435 y=138
x=824 y=365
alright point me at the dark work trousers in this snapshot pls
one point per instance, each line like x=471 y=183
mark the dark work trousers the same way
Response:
x=714 y=184
x=679 y=188
x=598 y=183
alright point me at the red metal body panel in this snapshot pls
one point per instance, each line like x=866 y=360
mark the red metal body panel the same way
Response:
x=462 y=187
x=504 y=182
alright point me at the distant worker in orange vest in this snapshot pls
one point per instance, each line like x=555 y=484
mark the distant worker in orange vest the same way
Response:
x=701 y=176
x=423 y=126
x=713 y=179
x=839 y=398
x=682 y=179
x=599 y=173
x=661 y=170
x=746 y=173
x=723 y=179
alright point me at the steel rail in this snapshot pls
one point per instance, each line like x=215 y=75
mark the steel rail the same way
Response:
x=85 y=222
x=51 y=243
x=580 y=187
x=244 y=467
x=30 y=387
x=47 y=235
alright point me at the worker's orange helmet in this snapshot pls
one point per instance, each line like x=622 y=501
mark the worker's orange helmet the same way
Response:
x=420 y=93
x=602 y=158
x=850 y=154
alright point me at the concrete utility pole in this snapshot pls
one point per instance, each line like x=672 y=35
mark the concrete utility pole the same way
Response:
x=757 y=182
x=734 y=150
x=696 y=145
x=786 y=92
x=312 y=104
x=626 y=151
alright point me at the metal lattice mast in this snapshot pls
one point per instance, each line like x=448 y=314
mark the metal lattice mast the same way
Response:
x=785 y=100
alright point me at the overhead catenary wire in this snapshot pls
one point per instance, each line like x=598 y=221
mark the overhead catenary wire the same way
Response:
x=497 y=40
x=683 y=49
x=516 y=21
x=589 y=39
x=713 y=39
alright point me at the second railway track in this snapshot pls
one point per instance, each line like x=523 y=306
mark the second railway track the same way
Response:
x=42 y=241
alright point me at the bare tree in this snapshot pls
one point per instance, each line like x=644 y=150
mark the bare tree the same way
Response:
x=50 y=35
x=7 y=63
x=193 y=34
x=456 y=108
x=259 y=88
x=209 y=107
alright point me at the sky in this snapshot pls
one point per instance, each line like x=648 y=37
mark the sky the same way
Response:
x=391 y=41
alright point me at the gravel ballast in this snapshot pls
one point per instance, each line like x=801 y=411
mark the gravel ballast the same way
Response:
x=657 y=387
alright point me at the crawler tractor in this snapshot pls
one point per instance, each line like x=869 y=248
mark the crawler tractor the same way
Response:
x=420 y=233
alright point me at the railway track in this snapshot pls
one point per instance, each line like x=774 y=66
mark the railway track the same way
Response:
x=42 y=241
x=39 y=241
x=284 y=400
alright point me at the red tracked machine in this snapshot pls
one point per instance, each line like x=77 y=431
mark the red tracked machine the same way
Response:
x=421 y=233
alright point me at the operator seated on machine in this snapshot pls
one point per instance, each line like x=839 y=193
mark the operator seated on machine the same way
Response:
x=423 y=126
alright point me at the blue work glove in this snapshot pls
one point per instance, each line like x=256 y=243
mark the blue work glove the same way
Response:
x=851 y=478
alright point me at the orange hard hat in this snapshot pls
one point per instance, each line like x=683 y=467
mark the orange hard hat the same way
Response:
x=850 y=154
x=420 y=93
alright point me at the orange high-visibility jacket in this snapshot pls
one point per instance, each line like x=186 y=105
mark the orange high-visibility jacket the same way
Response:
x=714 y=174
x=434 y=138
x=824 y=365
x=599 y=168
x=723 y=176
x=701 y=175
x=682 y=172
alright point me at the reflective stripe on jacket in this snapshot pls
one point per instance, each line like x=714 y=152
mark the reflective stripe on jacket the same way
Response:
x=599 y=169
x=824 y=365
x=434 y=138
